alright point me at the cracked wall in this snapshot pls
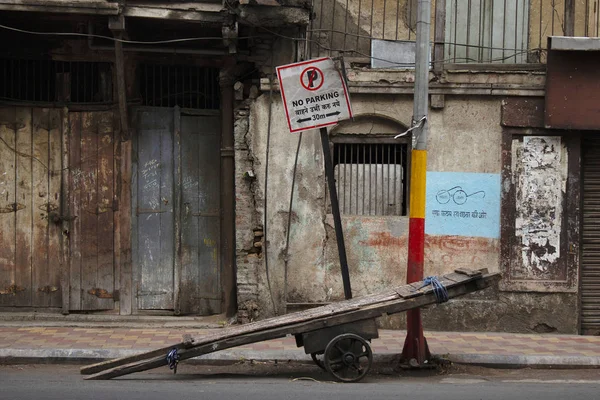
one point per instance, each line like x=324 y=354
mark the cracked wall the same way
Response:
x=466 y=136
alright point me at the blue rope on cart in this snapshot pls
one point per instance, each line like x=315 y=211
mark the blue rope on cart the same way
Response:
x=173 y=360
x=439 y=290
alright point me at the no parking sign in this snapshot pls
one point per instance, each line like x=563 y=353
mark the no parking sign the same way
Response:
x=314 y=94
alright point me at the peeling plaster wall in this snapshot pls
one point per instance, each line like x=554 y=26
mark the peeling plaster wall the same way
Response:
x=540 y=168
x=465 y=137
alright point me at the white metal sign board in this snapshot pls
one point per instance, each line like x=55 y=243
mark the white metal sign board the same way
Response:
x=314 y=94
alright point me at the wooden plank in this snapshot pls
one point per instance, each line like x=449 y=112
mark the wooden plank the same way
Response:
x=150 y=294
x=108 y=364
x=468 y=272
x=52 y=285
x=167 y=218
x=155 y=261
x=60 y=6
x=189 y=300
x=209 y=230
x=8 y=162
x=224 y=340
x=439 y=36
x=191 y=16
x=40 y=199
x=75 y=211
x=105 y=275
x=125 y=222
x=177 y=207
x=120 y=75
x=117 y=211
x=405 y=292
x=65 y=226
x=569 y=18
x=24 y=216
x=88 y=185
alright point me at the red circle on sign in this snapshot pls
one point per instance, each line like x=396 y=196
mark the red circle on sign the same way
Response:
x=311 y=78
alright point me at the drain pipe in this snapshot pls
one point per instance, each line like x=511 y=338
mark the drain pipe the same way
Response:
x=228 y=272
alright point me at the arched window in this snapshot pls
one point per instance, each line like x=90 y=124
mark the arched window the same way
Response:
x=371 y=167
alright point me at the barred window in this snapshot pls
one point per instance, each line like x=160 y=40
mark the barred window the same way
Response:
x=186 y=86
x=371 y=175
x=49 y=81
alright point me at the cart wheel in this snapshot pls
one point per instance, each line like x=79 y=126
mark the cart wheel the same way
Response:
x=348 y=357
x=315 y=358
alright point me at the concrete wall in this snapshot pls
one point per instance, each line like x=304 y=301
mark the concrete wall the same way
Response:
x=465 y=138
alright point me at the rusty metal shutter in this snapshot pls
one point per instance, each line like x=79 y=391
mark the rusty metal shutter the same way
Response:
x=590 y=255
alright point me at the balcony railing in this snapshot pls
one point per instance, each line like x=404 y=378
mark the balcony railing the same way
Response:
x=464 y=31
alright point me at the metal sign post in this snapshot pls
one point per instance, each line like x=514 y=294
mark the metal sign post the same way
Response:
x=335 y=209
x=315 y=95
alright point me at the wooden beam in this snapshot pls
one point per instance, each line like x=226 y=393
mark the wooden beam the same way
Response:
x=121 y=87
x=210 y=15
x=60 y=6
x=65 y=258
x=569 y=18
x=439 y=36
x=273 y=17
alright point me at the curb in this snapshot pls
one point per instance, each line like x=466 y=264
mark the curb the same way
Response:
x=83 y=356
x=525 y=361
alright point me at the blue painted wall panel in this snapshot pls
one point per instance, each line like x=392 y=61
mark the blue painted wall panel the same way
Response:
x=463 y=204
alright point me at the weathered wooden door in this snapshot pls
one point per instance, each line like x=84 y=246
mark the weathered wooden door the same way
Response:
x=30 y=202
x=200 y=287
x=92 y=206
x=176 y=212
x=153 y=213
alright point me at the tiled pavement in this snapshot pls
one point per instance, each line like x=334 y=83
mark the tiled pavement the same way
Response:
x=60 y=343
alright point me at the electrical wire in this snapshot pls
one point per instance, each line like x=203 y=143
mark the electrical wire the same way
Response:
x=358 y=35
x=297 y=39
x=415 y=125
x=114 y=39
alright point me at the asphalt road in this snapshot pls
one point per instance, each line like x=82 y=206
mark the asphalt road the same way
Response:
x=292 y=382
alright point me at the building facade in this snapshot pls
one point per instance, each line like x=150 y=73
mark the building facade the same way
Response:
x=147 y=167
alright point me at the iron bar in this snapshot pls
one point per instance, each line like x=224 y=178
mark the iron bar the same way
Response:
x=349 y=211
x=364 y=163
x=388 y=179
x=455 y=27
x=503 y=34
x=370 y=175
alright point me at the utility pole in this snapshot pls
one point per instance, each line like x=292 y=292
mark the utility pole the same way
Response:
x=416 y=351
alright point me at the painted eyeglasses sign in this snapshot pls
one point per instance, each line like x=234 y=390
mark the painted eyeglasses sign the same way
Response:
x=314 y=94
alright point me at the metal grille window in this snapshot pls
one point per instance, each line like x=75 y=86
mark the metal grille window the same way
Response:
x=180 y=85
x=371 y=177
x=50 y=81
x=487 y=31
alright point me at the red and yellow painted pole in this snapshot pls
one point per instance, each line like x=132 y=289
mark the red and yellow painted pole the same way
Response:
x=415 y=345
x=415 y=350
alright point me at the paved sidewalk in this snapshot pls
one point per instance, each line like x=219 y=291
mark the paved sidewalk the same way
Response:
x=60 y=344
